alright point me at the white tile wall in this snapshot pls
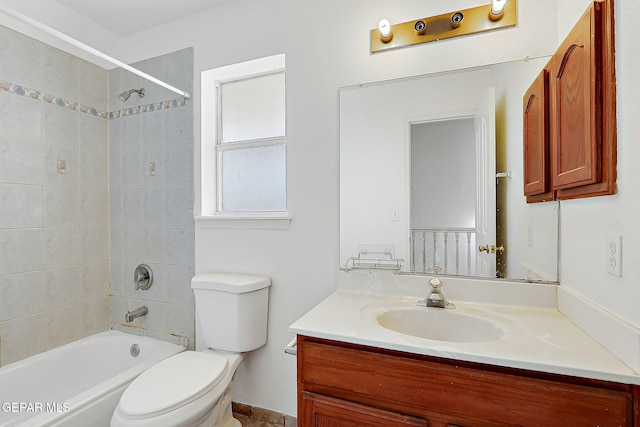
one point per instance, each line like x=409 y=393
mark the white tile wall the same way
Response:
x=21 y=294
x=20 y=119
x=69 y=242
x=152 y=216
x=21 y=206
x=62 y=325
x=23 y=337
x=20 y=162
x=95 y=315
x=60 y=206
x=21 y=250
x=22 y=50
x=54 y=235
x=62 y=286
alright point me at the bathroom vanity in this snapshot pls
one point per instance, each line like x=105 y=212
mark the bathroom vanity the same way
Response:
x=362 y=363
x=341 y=384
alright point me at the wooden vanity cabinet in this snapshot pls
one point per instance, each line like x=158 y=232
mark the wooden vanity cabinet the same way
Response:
x=581 y=115
x=347 y=385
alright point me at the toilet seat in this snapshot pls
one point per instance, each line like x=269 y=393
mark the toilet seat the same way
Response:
x=173 y=383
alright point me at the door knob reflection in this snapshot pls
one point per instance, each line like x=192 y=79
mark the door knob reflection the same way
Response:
x=491 y=249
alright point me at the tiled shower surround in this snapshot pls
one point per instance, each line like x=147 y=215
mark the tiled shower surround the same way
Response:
x=151 y=200
x=77 y=210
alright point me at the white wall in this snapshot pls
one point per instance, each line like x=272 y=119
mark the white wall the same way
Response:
x=327 y=46
x=586 y=223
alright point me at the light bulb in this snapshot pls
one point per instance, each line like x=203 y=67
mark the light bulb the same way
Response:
x=497 y=8
x=384 y=26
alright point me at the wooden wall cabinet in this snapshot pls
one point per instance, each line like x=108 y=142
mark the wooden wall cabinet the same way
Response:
x=537 y=163
x=580 y=115
x=346 y=385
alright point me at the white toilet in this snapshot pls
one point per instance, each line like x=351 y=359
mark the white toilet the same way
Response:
x=195 y=388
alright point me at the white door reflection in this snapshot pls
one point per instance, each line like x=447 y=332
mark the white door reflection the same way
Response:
x=453 y=193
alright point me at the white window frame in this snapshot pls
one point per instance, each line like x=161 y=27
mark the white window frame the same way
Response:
x=210 y=215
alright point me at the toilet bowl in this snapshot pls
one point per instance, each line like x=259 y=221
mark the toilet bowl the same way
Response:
x=195 y=388
x=192 y=390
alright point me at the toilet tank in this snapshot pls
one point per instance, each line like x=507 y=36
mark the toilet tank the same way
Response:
x=231 y=311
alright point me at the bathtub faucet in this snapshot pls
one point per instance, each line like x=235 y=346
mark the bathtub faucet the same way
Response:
x=138 y=312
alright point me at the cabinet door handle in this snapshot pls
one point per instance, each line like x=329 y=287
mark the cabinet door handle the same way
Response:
x=453 y=425
x=531 y=98
x=565 y=58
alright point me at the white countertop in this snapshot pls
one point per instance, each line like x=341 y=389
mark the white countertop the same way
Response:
x=535 y=338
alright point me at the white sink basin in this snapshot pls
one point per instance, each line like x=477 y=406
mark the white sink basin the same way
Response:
x=439 y=324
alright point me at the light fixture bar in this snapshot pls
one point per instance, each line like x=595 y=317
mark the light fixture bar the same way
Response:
x=57 y=34
x=454 y=24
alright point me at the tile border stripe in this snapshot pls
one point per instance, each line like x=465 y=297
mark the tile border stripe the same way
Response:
x=71 y=105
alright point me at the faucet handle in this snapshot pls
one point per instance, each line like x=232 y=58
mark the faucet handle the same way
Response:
x=435 y=284
x=143 y=277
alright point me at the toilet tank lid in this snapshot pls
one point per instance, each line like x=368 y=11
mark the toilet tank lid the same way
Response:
x=230 y=282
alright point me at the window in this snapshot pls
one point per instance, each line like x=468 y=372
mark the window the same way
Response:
x=243 y=152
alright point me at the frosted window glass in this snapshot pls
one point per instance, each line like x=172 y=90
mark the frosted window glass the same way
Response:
x=253 y=108
x=254 y=179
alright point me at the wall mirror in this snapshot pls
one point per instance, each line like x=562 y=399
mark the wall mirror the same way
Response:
x=431 y=177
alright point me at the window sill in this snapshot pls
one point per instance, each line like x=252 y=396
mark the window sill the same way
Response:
x=260 y=221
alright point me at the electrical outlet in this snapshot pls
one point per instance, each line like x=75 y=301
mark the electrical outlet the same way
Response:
x=614 y=255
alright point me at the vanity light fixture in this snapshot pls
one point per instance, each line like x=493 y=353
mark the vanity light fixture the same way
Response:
x=495 y=15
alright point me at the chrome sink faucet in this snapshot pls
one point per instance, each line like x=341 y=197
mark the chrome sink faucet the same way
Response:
x=436 y=297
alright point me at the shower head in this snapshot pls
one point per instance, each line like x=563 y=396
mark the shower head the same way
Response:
x=127 y=93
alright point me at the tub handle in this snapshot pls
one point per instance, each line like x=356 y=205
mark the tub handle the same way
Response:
x=143 y=277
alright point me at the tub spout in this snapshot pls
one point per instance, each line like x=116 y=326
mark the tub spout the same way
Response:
x=131 y=315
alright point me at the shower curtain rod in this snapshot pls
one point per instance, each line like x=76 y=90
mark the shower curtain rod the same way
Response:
x=95 y=52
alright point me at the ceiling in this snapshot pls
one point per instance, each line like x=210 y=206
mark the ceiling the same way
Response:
x=126 y=17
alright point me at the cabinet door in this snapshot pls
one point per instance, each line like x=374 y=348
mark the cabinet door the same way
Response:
x=576 y=105
x=323 y=411
x=537 y=166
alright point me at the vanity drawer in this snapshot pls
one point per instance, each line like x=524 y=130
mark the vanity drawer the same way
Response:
x=422 y=387
x=326 y=411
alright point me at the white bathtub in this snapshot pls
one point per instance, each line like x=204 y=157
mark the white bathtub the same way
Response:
x=78 y=384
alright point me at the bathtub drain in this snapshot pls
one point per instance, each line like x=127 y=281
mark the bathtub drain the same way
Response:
x=134 y=350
